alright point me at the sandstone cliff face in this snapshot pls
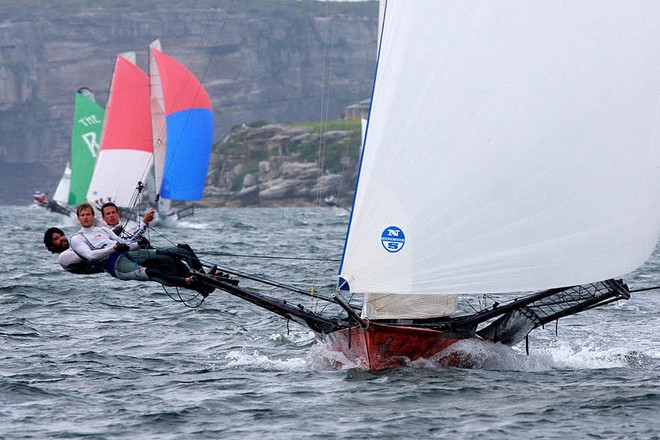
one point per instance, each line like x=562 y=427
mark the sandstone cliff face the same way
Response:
x=285 y=165
x=272 y=60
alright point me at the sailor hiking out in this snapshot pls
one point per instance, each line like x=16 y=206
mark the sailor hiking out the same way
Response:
x=95 y=248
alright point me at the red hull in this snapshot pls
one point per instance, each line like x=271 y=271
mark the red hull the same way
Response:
x=384 y=346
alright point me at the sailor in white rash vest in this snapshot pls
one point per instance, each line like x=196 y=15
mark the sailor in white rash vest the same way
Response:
x=100 y=246
x=110 y=215
x=57 y=243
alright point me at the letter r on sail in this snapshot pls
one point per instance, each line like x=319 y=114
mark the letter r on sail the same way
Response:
x=91 y=142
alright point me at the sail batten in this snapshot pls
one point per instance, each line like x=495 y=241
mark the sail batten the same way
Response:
x=511 y=147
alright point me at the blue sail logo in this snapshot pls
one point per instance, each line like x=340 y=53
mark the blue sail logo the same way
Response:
x=393 y=239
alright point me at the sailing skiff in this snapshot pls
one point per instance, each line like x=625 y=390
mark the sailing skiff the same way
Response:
x=512 y=148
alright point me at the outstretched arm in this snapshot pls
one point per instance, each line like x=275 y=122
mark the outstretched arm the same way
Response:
x=135 y=234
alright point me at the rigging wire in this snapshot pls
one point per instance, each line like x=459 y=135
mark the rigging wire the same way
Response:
x=135 y=198
x=266 y=257
x=348 y=144
x=644 y=289
x=324 y=104
x=180 y=299
x=278 y=257
x=256 y=278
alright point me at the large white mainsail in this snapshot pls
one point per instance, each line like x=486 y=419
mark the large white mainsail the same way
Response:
x=511 y=146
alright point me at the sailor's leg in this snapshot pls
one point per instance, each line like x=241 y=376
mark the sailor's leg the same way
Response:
x=157 y=260
x=190 y=256
x=167 y=279
x=185 y=252
x=126 y=269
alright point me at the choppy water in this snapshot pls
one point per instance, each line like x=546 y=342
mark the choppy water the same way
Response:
x=94 y=357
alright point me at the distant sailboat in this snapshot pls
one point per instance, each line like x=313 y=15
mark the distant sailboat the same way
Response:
x=58 y=203
x=85 y=142
x=126 y=144
x=61 y=195
x=182 y=124
x=158 y=130
x=85 y=136
x=511 y=147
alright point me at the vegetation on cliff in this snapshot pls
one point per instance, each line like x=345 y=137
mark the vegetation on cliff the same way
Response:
x=264 y=164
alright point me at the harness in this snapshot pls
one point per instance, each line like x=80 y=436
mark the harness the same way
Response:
x=108 y=264
x=83 y=268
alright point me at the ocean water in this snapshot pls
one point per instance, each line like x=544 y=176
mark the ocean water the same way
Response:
x=97 y=358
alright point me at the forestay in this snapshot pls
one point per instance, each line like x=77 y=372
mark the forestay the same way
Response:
x=511 y=146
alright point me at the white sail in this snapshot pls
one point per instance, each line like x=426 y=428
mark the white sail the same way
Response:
x=381 y=15
x=363 y=130
x=408 y=306
x=158 y=125
x=61 y=195
x=511 y=146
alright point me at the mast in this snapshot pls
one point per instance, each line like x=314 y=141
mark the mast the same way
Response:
x=158 y=126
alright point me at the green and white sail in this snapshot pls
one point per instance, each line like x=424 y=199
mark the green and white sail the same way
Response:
x=85 y=139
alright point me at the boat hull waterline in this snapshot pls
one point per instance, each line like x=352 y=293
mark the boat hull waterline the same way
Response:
x=381 y=346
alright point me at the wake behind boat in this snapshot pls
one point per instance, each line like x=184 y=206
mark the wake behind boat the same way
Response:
x=510 y=148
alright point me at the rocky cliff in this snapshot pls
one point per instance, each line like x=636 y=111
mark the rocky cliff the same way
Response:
x=285 y=165
x=273 y=60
